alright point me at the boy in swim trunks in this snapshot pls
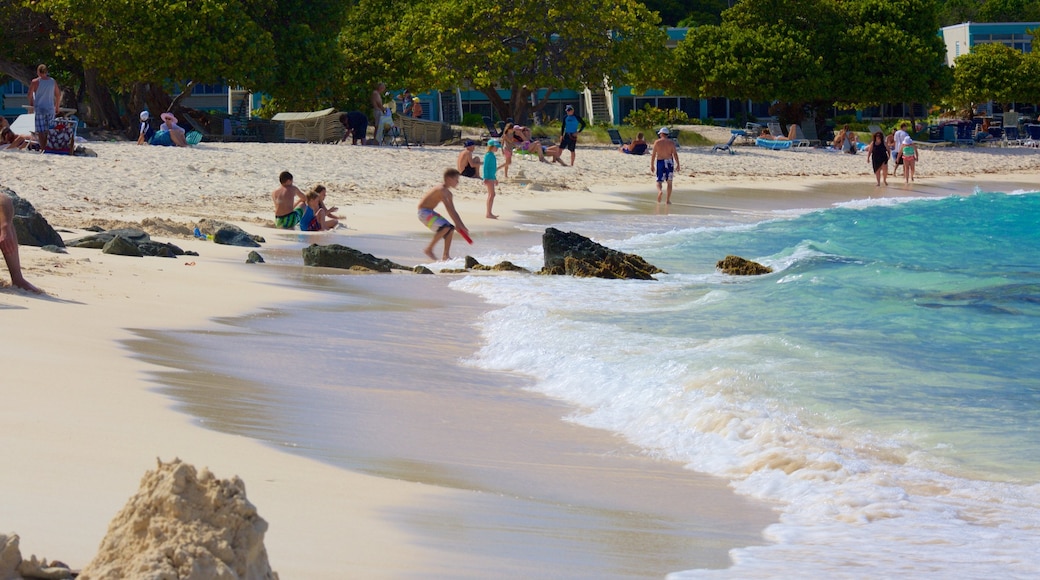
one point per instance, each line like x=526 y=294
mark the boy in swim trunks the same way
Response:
x=442 y=228
x=289 y=203
x=664 y=161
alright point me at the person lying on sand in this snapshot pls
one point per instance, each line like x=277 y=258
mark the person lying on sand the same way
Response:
x=9 y=244
x=442 y=228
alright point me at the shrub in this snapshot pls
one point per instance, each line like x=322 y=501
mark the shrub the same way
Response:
x=649 y=117
x=472 y=120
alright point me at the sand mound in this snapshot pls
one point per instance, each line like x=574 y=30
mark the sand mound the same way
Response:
x=184 y=525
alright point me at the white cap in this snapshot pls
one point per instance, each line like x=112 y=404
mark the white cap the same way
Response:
x=144 y=115
x=662 y=131
x=908 y=141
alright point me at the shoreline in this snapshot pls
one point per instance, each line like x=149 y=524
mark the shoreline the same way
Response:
x=73 y=382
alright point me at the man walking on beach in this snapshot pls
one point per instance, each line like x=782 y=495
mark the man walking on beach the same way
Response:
x=289 y=203
x=9 y=244
x=572 y=125
x=442 y=228
x=665 y=162
x=44 y=98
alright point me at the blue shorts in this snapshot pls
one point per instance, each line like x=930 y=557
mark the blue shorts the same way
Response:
x=665 y=169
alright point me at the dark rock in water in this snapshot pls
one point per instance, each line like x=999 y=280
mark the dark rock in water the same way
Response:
x=420 y=269
x=159 y=249
x=30 y=227
x=99 y=240
x=337 y=256
x=737 y=266
x=471 y=262
x=507 y=266
x=54 y=249
x=254 y=257
x=94 y=229
x=190 y=253
x=228 y=234
x=575 y=255
x=121 y=246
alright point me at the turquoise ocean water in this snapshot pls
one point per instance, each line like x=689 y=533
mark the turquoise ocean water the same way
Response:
x=882 y=385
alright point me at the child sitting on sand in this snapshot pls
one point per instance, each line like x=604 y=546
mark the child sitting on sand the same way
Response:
x=329 y=220
x=442 y=228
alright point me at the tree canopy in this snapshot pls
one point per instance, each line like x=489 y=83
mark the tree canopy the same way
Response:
x=995 y=72
x=817 y=53
x=531 y=48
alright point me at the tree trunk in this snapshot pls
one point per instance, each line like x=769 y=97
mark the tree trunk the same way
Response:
x=103 y=108
x=17 y=71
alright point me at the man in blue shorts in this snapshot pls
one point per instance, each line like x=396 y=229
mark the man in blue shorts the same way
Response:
x=664 y=162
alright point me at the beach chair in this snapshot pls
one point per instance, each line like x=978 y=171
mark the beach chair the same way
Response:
x=1033 y=132
x=1011 y=136
x=775 y=129
x=808 y=129
x=800 y=140
x=733 y=134
x=874 y=129
x=492 y=131
x=615 y=137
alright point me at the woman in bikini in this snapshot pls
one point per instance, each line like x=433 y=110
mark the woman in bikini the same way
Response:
x=908 y=151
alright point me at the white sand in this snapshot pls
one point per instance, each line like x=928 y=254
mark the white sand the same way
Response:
x=81 y=424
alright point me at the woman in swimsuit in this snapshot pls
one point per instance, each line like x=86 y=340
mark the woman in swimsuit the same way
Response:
x=529 y=145
x=877 y=155
x=908 y=151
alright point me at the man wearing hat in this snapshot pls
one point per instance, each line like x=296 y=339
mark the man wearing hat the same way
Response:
x=572 y=125
x=664 y=161
x=467 y=164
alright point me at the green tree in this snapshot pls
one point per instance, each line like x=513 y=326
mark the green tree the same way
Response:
x=1009 y=11
x=988 y=73
x=532 y=48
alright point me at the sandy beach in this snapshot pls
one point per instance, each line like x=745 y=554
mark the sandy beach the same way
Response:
x=84 y=418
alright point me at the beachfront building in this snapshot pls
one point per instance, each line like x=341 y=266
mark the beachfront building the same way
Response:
x=959 y=38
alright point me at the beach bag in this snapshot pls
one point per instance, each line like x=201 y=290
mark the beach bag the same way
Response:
x=61 y=137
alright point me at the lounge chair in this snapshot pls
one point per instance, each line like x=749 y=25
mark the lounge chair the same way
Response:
x=492 y=130
x=734 y=133
x=773 y=143
x=615 y=137
x=800 y=140
x=808 y=129
x=313 y=126
x=1033 y=131
x=776 y=130
x=874 y=129
x=1012 y=136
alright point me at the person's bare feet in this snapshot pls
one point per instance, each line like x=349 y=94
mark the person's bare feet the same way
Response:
x=429 y=254
x=446 y=257
x=491 y=216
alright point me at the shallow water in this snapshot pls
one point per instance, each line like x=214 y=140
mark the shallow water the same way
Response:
x=881 y=383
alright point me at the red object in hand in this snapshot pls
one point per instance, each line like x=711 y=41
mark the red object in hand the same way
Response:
x=465 y=235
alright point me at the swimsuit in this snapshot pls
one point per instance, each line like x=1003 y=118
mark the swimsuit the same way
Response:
x=469 y=171
x=433 y=220
x=665 y=168
x=309 y=221
x=878 y=156
x=289 y=220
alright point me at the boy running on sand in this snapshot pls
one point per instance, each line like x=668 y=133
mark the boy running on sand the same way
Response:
x=442 y=228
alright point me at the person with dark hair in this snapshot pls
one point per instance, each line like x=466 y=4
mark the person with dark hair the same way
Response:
x=355 y=125
x=571 y=126
x=9 y=245
x=466 y=162
x=877 y=155
x=289 y=203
